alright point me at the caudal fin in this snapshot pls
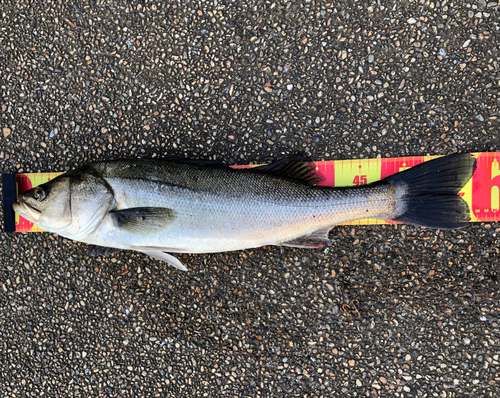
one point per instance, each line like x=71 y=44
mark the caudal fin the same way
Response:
x=427 y=193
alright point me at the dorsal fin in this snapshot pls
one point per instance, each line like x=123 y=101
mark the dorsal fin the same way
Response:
x=298 y=167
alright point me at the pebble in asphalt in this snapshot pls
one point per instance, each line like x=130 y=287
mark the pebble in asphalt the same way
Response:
x=386 y=311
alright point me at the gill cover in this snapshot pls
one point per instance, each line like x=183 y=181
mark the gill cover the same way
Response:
x=90 y=200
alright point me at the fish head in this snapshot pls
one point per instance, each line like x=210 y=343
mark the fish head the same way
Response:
x=47 y=205
x=72 y=205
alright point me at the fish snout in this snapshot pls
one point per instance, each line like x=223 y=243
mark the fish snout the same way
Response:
x=26 y=211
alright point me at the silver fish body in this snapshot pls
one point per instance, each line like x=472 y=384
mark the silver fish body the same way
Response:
x=218 y=209
x=159 y=207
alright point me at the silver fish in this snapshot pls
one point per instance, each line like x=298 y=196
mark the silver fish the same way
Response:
x=159 y=206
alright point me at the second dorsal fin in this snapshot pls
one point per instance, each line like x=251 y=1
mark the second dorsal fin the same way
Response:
x=297 y=166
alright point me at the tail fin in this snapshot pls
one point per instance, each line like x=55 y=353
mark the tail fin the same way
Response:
x=427 y=193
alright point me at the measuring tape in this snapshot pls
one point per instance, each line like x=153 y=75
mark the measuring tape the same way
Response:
x=482 y=192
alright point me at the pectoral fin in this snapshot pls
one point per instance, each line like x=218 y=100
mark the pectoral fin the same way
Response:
x=313 y=240
x=165 y=257
x=143 y=220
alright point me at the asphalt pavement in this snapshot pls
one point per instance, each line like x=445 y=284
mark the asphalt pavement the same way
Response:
x=394 y=311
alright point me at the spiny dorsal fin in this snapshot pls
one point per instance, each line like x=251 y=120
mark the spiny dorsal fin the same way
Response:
x=198 y=162
x=298 y=167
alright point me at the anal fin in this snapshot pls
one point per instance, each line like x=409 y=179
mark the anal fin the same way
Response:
x=316 y=239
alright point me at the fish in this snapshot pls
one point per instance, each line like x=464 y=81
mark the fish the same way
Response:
x=159 y=207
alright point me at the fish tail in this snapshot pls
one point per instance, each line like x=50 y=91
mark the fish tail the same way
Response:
x=427 y=194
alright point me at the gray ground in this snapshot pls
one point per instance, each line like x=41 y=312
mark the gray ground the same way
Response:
x=386 y=311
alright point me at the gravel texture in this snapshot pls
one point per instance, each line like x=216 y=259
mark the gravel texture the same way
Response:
x=386 y=311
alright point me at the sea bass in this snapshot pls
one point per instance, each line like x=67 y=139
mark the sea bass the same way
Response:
x=160 y=206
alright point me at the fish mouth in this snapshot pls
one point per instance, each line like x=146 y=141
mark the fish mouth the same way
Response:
x=27 y=211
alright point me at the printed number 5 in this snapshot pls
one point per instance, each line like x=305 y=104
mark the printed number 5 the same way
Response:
x=360 y=180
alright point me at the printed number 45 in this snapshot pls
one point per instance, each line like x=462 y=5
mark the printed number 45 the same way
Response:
x=360 y=180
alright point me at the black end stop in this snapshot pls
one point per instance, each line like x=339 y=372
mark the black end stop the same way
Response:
x=9 y=198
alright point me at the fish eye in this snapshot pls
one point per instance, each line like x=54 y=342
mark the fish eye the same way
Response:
x=39 y=194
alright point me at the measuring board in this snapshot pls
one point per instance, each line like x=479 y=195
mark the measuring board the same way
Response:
x=482 y=192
